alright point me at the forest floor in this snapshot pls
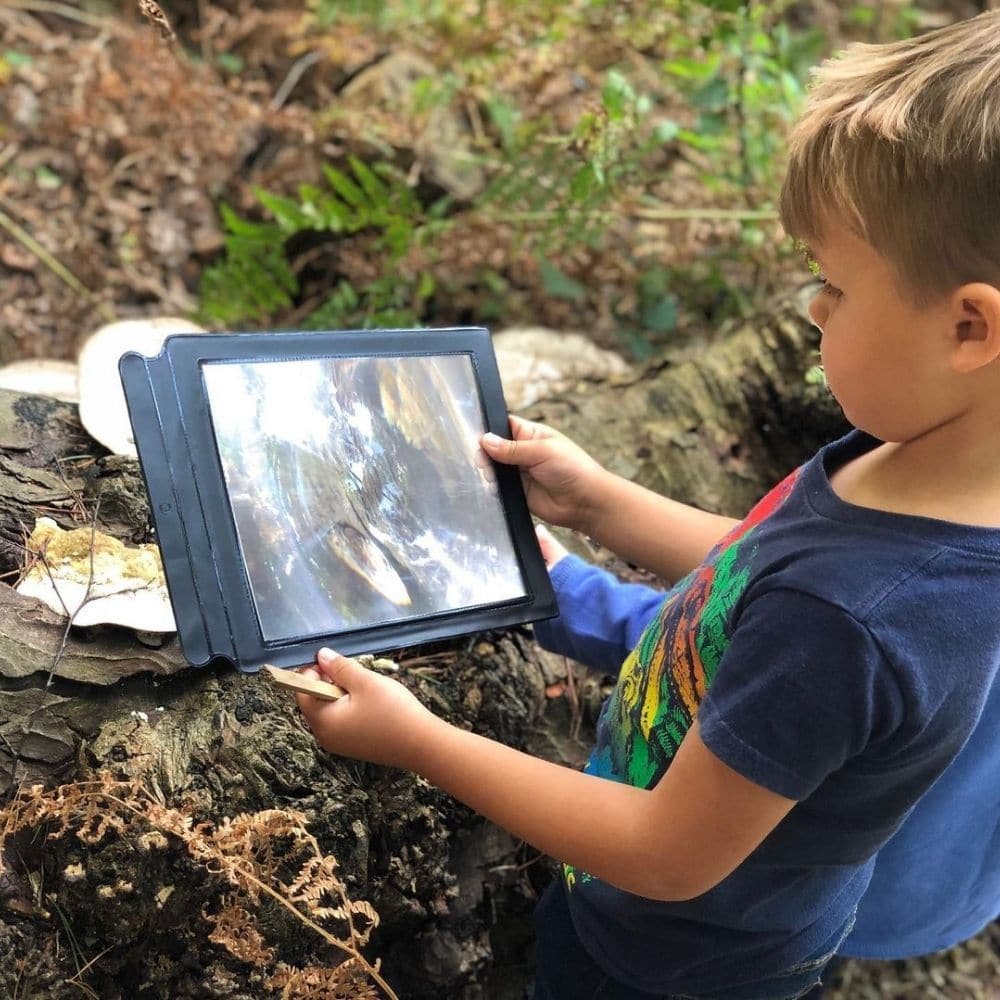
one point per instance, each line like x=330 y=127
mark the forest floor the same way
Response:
x=114 y=155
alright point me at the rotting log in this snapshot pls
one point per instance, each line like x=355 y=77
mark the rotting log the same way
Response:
x=714 y=426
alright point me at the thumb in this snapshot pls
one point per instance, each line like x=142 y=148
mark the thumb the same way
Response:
x=341 y=670
x=521 y=453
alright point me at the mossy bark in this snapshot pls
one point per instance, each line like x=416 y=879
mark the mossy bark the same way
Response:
x=714 y=426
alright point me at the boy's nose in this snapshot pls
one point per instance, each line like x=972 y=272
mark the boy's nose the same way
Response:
x=819 y=309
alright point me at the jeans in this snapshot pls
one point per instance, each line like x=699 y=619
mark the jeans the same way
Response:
x=566 y=972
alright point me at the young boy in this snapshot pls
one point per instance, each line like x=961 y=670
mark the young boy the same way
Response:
x=824 y=661
x=936 y=882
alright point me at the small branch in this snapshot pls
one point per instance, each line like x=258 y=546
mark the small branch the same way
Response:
x=59 y=270
x=661 y=214
x=742 y=126
x=294 y=75
x=722 y=214
x=70 y=618
x=153 y=13
x=576 y=709
x=86 y=597
x=60 y=10
x=96 y=958
x=33 y=246
x=206 y=44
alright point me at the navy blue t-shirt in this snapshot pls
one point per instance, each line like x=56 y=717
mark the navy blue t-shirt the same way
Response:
x=834 y=654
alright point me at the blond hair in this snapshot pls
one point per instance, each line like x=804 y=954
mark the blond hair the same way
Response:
x=901 y=142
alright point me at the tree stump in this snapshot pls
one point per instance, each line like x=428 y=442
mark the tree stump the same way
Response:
x=714 y=426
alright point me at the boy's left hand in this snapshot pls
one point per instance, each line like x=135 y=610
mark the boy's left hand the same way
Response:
x=378 y=720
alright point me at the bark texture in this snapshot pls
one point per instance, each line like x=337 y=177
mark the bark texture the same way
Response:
x=715 y=426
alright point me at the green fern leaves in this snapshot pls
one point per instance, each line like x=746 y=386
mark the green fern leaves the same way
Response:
x=255 y=280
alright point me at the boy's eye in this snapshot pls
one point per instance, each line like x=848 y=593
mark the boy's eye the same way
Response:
x=817 y=272
x=829 y=289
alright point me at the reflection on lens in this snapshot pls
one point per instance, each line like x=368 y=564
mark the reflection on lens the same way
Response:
x=358 y=490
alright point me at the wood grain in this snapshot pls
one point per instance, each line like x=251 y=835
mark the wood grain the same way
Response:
x=307 y=685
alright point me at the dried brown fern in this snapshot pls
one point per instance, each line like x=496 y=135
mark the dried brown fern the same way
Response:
x=250 y=851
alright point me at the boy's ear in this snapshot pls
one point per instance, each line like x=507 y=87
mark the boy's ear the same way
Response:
x=976 y=330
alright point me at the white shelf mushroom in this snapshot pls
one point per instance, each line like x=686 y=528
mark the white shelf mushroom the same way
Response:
x=42 y=377
x=102 y=401
x=114 y=584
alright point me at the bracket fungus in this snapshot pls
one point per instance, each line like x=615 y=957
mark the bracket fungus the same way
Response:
x=42 y=377
x=102 y=401
x=96 y=579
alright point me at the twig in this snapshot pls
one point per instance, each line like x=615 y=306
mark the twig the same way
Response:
x=74 y=945
x=298 y=68
x=70 y=619
x=659 y=214
x=206 y=43
x=60 y=10
x=576 y=710
x=742 y=127
x=81 y=507
x=86 y=595
x=59 y=270
x=96 y=958
x=20 y=975
x=153 y=13
x=33 y=246
x=83 y=988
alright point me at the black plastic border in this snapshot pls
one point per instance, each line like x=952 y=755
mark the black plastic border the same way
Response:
x=206 y=578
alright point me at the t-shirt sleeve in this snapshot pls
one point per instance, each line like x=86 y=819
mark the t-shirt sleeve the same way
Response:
x=801 y=688
x=600 y=617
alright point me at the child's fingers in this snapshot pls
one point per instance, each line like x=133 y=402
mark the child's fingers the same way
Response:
x=552 y=551
x=306 y=702
x=525 y=447
x=521 y=429
x=341 y=670
x=331 y=668
x=523 y=452
x=484 y=467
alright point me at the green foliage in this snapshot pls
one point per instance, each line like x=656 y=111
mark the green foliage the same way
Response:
x=560 y=285
x=255 y=281
x=713 y=81
x=656 y=313
x=816 y=376
x=230 y=63
x=745 y=79
x=560 y=189
x=381 y=15
x=885 y=22
x=657 y=302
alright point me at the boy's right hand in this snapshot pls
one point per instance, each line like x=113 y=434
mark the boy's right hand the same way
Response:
x=562 y=482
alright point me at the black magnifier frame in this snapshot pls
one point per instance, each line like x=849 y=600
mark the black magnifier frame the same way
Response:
x=326 y=488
